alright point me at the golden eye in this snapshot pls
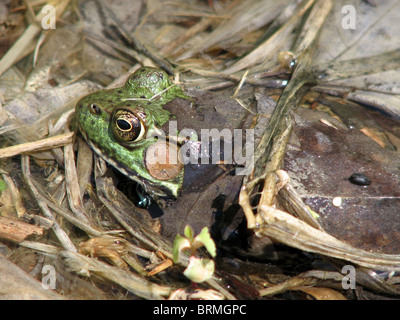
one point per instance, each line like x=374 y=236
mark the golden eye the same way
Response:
x=126 y=126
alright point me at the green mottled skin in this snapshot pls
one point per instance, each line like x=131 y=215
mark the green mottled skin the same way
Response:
x=147 y=90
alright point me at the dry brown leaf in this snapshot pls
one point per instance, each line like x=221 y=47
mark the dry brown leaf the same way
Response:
x=321 y=293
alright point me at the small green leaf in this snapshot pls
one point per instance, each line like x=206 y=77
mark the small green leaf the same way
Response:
x=180 y=244
x=3 y=185
x=204 y=239
x=199 y=270
x=188 y=232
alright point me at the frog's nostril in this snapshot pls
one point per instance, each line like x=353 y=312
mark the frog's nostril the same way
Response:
x=94 y=108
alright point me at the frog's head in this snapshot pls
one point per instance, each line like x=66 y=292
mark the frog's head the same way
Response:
x=122 y=126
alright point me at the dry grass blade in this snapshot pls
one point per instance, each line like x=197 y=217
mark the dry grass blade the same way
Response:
x=296 y=233
x=84 y=164
x=60 y=233
x=276 y=155
x=138 y=285
x=244 y=202
x=289 y=198
x=312 y=26
x=279 y=123
x=72 y=184
x=305 y=281
x=359 y=67
x=44 y=144
x=42 y=247
x=289 y=284
x=253 y=79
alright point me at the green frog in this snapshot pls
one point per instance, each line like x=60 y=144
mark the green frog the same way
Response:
x=122 y=126
x=136 y=125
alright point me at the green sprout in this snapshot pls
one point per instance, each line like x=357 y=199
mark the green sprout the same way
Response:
x=199 y=269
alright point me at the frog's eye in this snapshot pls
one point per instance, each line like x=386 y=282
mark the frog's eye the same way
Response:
x=127 y=126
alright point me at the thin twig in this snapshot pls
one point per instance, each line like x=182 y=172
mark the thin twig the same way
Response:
x=40 y=145
x=60 y=233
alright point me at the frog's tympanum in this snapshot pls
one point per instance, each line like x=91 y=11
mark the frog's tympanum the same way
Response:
x=138 y=129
